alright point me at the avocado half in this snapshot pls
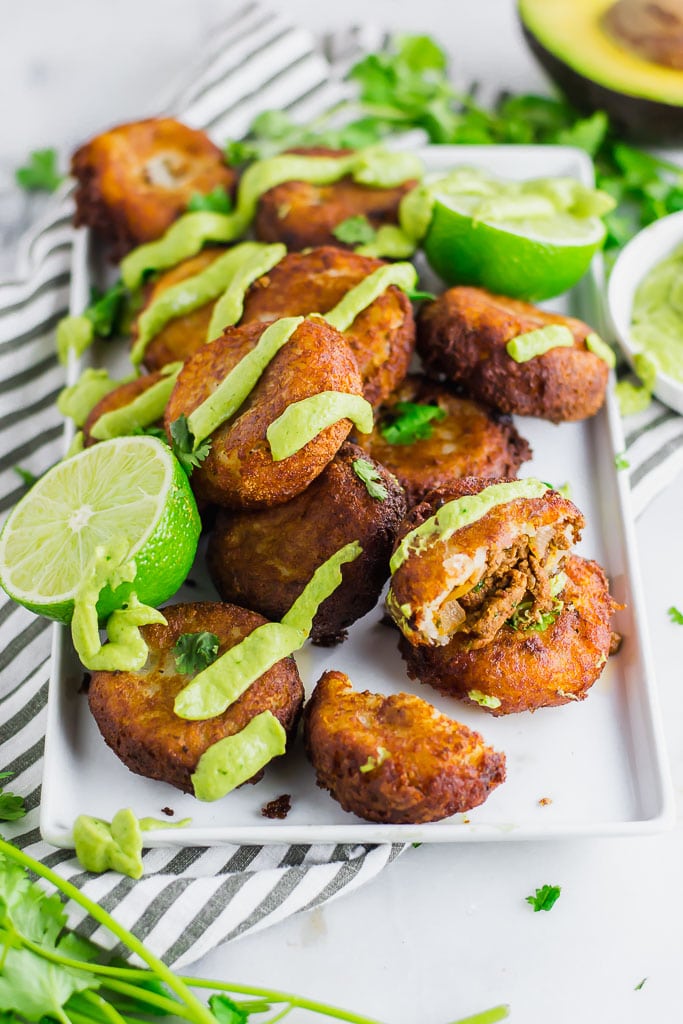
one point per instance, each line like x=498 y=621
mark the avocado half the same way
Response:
x=578 y=45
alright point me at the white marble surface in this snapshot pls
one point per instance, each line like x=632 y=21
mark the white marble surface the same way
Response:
x=445 y=931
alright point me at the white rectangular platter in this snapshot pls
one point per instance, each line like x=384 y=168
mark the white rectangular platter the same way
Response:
x=591 y=768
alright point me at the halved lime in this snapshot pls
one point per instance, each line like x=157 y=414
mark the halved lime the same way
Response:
x=533 y=257
x=130 y=487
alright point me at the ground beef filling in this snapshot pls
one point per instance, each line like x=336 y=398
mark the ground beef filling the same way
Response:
x=512 y=576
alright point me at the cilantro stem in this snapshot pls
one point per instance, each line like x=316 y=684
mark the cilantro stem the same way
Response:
x=169 y=1006
x=198 y=1012
x=283 y=997
x=491 y=1016
x=105 y=1008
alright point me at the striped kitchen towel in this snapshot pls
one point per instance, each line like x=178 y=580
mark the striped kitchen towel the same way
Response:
x=190 y=900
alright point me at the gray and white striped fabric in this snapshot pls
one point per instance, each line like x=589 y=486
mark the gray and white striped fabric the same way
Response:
x=192 y=900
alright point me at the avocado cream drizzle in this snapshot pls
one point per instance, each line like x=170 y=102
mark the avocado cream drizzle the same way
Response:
x=536 y=343
x=372 y=166
x=454 y=515
x=226 y=279
x=229 y=762
x=302 y=421
x=226 y=679
x=116 y=846
x=144 y=409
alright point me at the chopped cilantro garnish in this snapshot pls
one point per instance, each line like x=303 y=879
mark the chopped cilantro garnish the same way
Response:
x=218 y=200
x=520 y=619
x=621 y=462
x=26 y=475
x=152 y=431
x=355 y=230
x=375 y=762
x=371 y=478
x=484 y=700
x=415 y=295
x=640 y=984
x=675 y=615
x=410 y=422
x=183 y=445
x=545 y=898
x=11 y=806
x=40 y=174
x=195 y=651
x=105 y=309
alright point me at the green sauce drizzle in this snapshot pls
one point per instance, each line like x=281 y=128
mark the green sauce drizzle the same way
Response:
x=239 y=383
x=100 y=846
x=77 y=401
x=454 y=515
x=227 y=678
x=145 y=408
x=235 y=759
x=601 y=349
x=302 y=421
x=229 y=274
x=362 y=295
x=74 y=334
x=126 y=650
x=657 y=316
x=373 y=166
x=536 y=343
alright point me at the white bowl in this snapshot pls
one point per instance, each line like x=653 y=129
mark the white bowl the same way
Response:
x=649 y=247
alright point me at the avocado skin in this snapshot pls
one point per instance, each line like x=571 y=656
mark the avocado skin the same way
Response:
x=641 y=120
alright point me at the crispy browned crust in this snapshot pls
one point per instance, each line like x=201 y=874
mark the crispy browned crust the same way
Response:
x=134 y=710
x=463 y=335
x=526 y=670
x=435 y=768
x=182 y=336
x=239 y=471
x=116 y=399
x=472 y=440
x=381 y=337
x=264 y=559
x=115 y=196
x=423 y=579
x=302 y=215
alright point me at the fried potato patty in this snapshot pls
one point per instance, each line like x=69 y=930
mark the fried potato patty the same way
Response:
x=121 y=396
x=264 y=559
x=523 y=669
x=463 y=335
x=301 y=214
x=134 y=710
x=395 y=759
x=472 y=581
x=134 y=180
x=181 y=337
x=239 y=471
x=381 y=337
x=470 y=440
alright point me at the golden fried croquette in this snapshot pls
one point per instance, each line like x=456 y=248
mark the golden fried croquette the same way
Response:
x=263 y=559
x=522 y=669
x=301 y=214
x=121 y=396
x=395 y=759
x=134 y=710
x=471 y=581
x=134 y=180
x=381 y=337
x=181 y=337
x=463 y=335
x=239 y=471
x=470 y=440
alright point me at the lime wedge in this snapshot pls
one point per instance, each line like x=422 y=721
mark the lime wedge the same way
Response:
x=513 y=249
x=131 y=487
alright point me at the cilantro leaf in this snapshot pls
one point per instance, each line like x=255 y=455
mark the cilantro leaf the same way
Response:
x=621 y=462
x=195 y=651
x=40 y=174
x=521 y=620
x=355 y=230
x=640 y=984
x=11 y=806
x=411 y=422
x=371 y=478
x=105 y=310
x=28 y=478
x=226 y=1011
x=375 y=762
x=218 y=200
x=415 y=295
x=183 y=445
x=545 y=898
x=151 y=431
x=675 y=615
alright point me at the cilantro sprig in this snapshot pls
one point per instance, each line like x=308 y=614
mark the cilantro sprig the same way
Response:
x=40 y=173
x=544 y=898
x=47 y=971
x=366 y=472
x=183 y=446
x=218 y=200
x=675 y=615
x=11 y=806
x=356 y=230
x=408 y=422
x=195 y=651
